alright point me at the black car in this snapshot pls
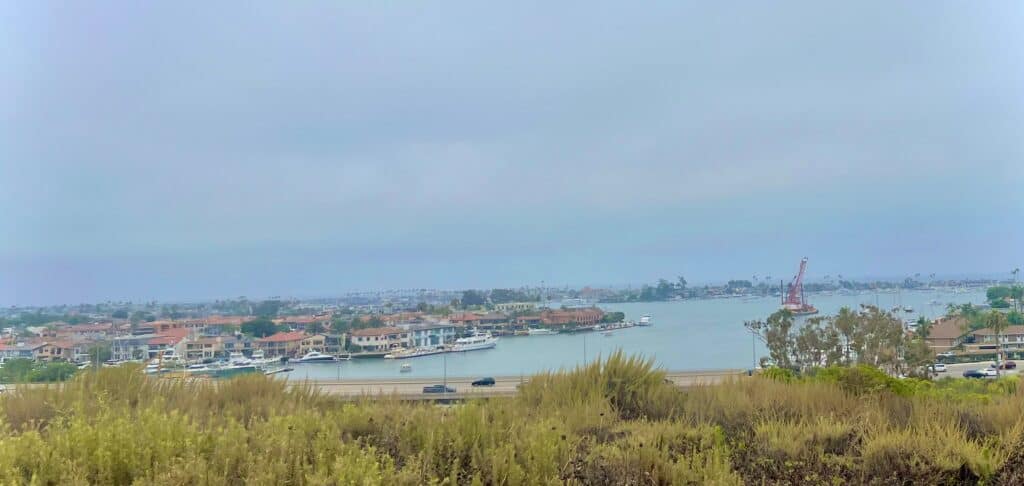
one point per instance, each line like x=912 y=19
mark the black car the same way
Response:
x=438 y=389
x=974 y=374
x=485 y=381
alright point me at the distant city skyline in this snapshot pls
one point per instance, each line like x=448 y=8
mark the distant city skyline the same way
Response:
x=158 y=150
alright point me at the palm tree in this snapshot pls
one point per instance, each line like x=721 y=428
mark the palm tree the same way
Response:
x=998 y=323
x=1017 y=293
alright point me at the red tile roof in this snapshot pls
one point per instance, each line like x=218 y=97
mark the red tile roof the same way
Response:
x=283 y=337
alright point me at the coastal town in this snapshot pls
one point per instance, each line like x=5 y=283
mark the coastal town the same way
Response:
x=388 y=326
x=114 y=340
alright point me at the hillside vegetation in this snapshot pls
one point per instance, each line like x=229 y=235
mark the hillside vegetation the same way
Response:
x=615 y=422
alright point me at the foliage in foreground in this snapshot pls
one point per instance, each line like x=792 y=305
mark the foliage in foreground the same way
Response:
x=613 y=422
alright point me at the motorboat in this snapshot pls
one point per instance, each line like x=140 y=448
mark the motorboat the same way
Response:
x=645 y=320
x=238 y=359
x=475 y=342
x=403 y=353
x=316 y=357
x=607 y=333
x=405 y=368
x=541 y=332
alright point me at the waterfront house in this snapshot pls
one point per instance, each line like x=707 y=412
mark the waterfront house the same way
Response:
x=54 y=350
x=20 y=350
x=334 y=343
x=531 y=320
x=946 y=333
x=124 y=348
x=430 y=335
x=565 y=318
x=380 y=338
x=281 y=344
x=155 y=345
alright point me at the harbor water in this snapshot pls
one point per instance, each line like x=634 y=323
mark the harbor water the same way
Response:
x=685 y=335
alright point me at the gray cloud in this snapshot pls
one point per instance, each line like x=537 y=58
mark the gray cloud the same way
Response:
x=552 y=136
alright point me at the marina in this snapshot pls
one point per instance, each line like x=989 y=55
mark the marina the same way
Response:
x=686 y=335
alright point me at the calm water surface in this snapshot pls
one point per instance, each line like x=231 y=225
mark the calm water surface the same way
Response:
x=686 y=335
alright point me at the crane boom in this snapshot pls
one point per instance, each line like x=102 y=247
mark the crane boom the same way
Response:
x=796 y=287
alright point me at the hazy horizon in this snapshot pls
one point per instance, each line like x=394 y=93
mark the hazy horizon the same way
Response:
x=173 y=152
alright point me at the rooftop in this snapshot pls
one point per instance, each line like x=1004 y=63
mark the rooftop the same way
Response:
x=377 y=331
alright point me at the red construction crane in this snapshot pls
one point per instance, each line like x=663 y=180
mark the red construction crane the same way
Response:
x=793 y=298
x=796 y=287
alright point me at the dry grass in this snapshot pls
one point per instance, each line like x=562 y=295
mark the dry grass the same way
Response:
x=614 y=422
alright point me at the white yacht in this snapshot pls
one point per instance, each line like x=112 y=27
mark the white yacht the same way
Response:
x=645 y=320
x=540 y=332
x=238 y=359
x=405 y=368
x=403 y=353
x=316 y=357
x=475 y=342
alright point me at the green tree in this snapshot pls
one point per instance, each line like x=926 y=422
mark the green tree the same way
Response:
x=315 y=327
x=924 y=327
x=998 y=292
x=472 y=298
x=613 y=317
x=259 y=327
x=267 y=308
x=119 y=314
x=17 y=370
x=99 y=352
x=997 y=322
x=1017 y=293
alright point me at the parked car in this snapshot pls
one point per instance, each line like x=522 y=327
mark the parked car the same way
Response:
x=485 y=381
x=947 y=354
x=1006 y=365
x=990 y=372
x=974 y=374
x=438 y=389
x=938 y=367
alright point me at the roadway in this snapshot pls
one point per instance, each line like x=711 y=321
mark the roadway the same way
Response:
x=957 y=370
x=503 y=385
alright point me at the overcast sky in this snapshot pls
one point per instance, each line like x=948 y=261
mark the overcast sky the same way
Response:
x=182 y=150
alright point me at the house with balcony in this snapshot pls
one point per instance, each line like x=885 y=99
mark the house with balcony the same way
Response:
x=291 y=344
x=1012 y=339
x=431 y=335
x=380 y=338
x=124 y=348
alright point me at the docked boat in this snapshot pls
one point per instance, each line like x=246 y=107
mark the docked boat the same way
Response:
x=403 y=353
x=238 y=359
x=475 y=342
x=405 y=368
x=645 y=320
x=540 y=332
x=316 y=357
x=607 y=333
